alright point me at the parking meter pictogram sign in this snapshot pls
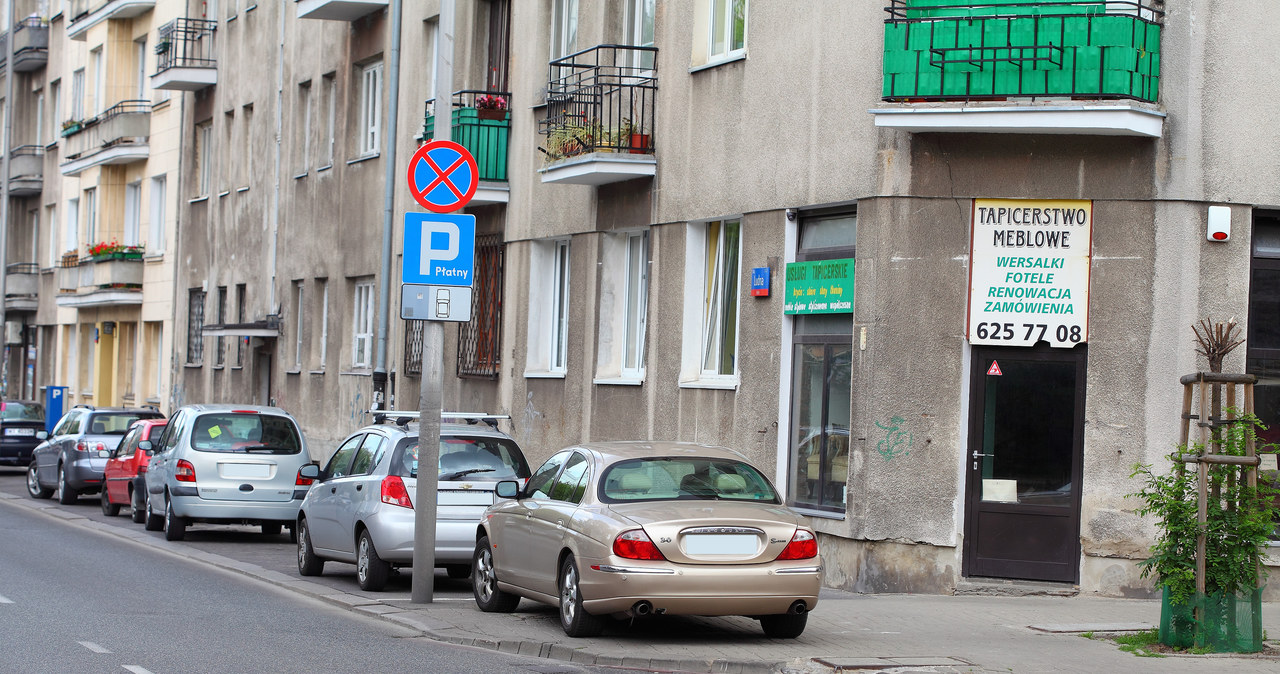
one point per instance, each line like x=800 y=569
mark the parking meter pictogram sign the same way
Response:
x=443 y=176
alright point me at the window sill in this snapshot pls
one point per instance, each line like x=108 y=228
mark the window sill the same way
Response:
x=198 y=199
x=193 y=366
x=726 y=384
x=293 y=371
x=223 y=193
x=719 y=62
x=302 y=175
x=358 y=373
x=363 y=158
x=219 y=367
x=813 y=512
x=543 y=374
x=243 y=189
x=160 y=105
x=326 y=167
x=316 y=372
x=153 y=257
x=618 y=381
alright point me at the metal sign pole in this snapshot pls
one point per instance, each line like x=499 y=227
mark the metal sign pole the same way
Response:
x=431 y=391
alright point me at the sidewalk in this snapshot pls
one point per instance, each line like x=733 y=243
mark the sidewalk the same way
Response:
x=847 y=632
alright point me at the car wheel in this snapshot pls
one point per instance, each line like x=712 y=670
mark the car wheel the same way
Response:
x=457 y=571
x=153 y=522
x=575 y=621
x=271 y=528
x=33 y=484
x=137 y=508
x=308 y=563
x=371 y=570
x=66 y=495
x=785 y=626
x=108 y=508
x=484 y=582
x=175 y=528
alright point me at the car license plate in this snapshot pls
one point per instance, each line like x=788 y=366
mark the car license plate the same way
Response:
x=721 y=544
x=461 y=497
x=244 y=470
x=20 y=431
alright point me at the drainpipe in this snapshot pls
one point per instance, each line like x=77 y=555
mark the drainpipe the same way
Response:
x=389 y=140
x=4 y=188
x=275 y=193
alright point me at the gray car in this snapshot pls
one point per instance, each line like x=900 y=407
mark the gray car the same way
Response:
x=71 y=461
x=226 y=464
x=360 y=511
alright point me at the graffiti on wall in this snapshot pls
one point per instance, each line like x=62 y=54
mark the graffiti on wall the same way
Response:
x=897 y=441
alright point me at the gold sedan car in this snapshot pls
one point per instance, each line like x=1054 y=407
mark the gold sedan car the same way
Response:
x=637 y=528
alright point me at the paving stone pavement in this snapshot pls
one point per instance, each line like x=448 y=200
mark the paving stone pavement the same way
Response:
x=847 y=632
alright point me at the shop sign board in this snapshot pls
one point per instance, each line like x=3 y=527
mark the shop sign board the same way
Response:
x=819 y=287
x=1029 y=272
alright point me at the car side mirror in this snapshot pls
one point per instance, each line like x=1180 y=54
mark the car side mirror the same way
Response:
x=104 y=454
x=310 y=471
x=145 y=446
x=41 y=435
x=507 y=489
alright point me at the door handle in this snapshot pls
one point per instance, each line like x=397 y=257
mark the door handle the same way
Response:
x=333 y=490
x=359 y=487
x=560 y=524
x=977 y=454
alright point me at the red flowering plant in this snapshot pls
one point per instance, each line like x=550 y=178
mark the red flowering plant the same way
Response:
x=103 y=248
x=491 y=102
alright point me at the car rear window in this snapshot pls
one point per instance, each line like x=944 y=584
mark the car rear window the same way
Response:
x=247 y=432
x=476 y=458
x=684 y=478
x=11 y=411
x=112 y=423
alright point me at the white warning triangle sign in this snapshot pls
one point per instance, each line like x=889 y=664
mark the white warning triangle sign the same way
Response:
x=994 y=370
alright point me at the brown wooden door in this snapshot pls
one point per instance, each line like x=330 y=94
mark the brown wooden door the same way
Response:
x=1024 y=463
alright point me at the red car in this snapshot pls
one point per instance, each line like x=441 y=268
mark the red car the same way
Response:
x=124 y=475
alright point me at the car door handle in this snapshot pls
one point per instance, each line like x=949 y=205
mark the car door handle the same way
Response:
x=560 y=524
x=359 y=487
x=333 y=490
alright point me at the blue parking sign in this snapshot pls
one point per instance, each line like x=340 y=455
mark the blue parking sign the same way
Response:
x=439 y=249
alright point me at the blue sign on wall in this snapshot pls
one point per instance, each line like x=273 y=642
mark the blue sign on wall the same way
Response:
x=439 y=250
x=760 y=281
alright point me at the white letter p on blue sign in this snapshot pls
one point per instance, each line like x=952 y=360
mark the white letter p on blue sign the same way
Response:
x=439 y=249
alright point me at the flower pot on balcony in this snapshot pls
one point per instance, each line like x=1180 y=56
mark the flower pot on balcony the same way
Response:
x=493 y=114
x=71 y=128
x=640 y=144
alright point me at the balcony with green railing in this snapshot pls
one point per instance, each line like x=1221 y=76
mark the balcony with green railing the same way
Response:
x=1031 y=54
x=481 y=123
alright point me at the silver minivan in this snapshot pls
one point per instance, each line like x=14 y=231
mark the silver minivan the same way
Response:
x=226 y=464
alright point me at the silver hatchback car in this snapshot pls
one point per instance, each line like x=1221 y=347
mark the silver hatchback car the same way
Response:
x=360 y=510
x=226 y=464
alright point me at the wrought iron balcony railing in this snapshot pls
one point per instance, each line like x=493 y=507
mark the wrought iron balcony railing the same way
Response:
x=601 y=99
x=956 y=50
x=185 y=43
x=481 y=123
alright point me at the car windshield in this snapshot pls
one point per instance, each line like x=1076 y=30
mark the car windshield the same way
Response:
x=247 y=432
x=684 y=478
x=11 y=411
x=474 y=458
x=112 y=423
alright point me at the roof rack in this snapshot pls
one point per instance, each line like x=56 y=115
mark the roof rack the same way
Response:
x=402 y=417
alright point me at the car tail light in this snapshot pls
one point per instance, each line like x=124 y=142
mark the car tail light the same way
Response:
x=803 y=545
x=184 y=472
x=635 y=544
x=83 y=446
x=300 y=481
x=393 y=492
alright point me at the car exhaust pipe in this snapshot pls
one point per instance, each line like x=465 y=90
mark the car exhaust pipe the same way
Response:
x=642 y=608
x=798 y=607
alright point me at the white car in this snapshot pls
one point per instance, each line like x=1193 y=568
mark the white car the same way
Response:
x=226 y=464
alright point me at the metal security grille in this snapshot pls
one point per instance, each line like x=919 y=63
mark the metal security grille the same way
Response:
x=195 y=326
x=413 y=348
x=480 y=339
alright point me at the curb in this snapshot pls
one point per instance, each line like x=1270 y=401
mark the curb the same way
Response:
x=413 y=619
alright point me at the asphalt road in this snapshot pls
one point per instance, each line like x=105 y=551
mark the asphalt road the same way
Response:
x=75 y=600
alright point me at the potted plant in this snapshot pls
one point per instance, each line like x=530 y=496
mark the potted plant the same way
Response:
x=106 y=251
x=631 y=137
x=71 y=126
x=491 y=106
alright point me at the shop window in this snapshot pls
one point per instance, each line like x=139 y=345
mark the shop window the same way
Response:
x=822 y=380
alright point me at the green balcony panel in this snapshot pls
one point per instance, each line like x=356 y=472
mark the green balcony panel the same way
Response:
x=1153 y=37
x=1088 y=81
x=895 y=36
x=982 y=83
x=956 y=84
x=930 y=84
x=1034 y=83
x=921 y=36
x=486 y=140
x=1087 y=58
x=1075 y=30
x=1115 y=82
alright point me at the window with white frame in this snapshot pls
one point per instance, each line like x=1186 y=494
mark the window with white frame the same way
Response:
x=55 y=90
x=639 y=26
x=87 y=354
x=39 y=117
x=241 y=314
x=204 y=158
x=91 y=215
x=77 y=95
x=728 y=34
x=132 y=213
x=98 y=66
x=710 y=348
x=362 y=326
x=370 y=108
x=564 y=27
x=329 y=91
x=154 y=341
x=220 y=343
x=155 y=229
x=297 y=325
x=304 y=131
x=51 y=217
x=624 y=293
x=322 y=289
x=128 y=346
x=140 y=58
x=548 y=308
x=71 y=234
x=195 y=326
x=34 y=214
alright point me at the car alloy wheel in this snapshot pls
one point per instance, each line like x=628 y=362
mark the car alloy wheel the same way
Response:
x=108 y=508
x=371 y=571
x=175 y=528
x=575 y=621
x=137 y=508
x=33 y=484
x=308 y=563
x=153 y=522
x=484 y=582
x=66 y=495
